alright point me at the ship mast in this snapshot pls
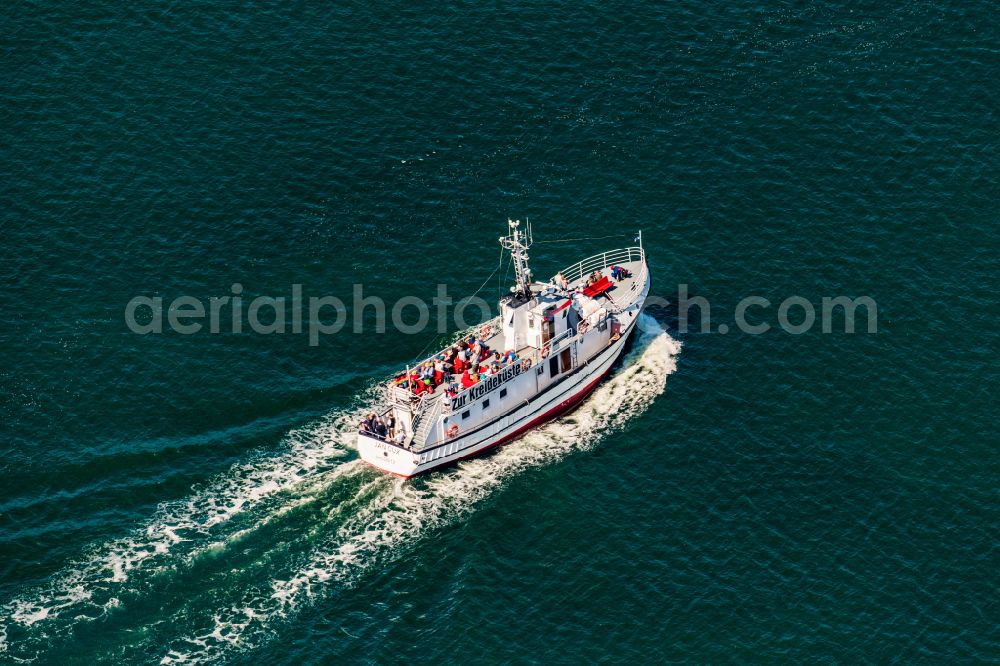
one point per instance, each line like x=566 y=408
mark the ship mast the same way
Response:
x=518 y=243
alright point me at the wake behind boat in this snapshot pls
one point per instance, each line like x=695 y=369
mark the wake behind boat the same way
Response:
x=548 y=349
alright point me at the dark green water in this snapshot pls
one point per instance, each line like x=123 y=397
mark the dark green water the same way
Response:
x=742 y=498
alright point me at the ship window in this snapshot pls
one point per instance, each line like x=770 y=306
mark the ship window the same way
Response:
x=541 y=369
x=531 y=322
x=465 y=414
x=553 y=366
x=503 y=393
x=486 y=403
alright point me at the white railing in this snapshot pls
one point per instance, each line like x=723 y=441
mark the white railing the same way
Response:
x=599 y=262
x=472 y=330
x=402 y=396
x=399 y=396
x=557 y=343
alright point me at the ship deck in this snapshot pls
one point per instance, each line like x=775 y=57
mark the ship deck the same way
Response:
x=621 y=294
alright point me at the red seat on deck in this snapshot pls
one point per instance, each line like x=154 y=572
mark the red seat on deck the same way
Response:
x=598 y=287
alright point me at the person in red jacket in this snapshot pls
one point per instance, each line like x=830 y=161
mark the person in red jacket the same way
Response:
x=417 y=385
x=469 y=380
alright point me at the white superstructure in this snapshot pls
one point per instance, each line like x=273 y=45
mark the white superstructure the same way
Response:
x=566 y=334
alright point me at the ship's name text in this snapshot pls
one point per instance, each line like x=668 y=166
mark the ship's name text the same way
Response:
x=485 y=385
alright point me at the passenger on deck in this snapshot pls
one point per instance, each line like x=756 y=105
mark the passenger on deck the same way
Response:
x=469 y=379
x=363 y=427
x=380 y=429
x=420 y=386
x=561 y=281
x=594 y=277
x=370 y=423
x=390 y=424
x=451 y=391
x=439 y=370
x=427 y=372
x=497 y=357
x=619 y=273
x=509 y=356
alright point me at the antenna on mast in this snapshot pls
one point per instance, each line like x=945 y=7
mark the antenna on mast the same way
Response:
x=518 y=243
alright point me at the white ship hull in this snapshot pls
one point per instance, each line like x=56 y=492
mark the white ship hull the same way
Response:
x=508 y=404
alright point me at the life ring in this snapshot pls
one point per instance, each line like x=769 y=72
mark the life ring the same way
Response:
x=486 y=332
x=544 y=352
x=525 y=364
x=453 y=430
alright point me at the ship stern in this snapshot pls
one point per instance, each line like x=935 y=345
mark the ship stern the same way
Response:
x=387 y=457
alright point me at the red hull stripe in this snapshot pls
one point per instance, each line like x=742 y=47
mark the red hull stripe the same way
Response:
x=562 y=407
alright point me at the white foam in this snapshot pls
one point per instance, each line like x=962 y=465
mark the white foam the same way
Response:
x=391 y=513
x=189 y=523
x=29 y=613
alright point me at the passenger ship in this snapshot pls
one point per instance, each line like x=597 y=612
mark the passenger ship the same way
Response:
x=566 y=334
